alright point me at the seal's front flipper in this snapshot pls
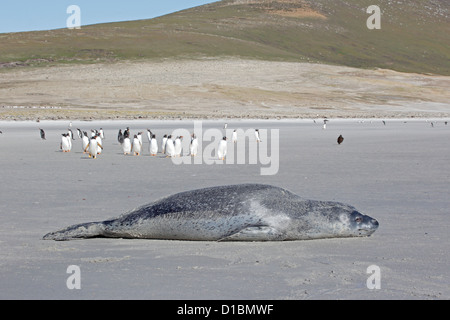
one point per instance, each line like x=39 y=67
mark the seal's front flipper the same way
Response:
x=255 y=233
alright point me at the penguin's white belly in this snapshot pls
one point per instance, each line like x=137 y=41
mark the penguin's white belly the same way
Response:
x=136 y=146
x=93 y=149
x=126 y=146
x=153 y=147
x=65 y=145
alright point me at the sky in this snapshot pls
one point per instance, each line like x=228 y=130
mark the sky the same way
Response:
x=32 y=15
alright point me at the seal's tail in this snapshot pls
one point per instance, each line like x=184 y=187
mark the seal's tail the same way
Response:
x=78 y=231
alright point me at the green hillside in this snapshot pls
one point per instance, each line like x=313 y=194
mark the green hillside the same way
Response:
x=414 y=35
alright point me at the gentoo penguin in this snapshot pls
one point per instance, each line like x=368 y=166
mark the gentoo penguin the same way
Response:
x=1 y=132
x=137 y=145
x=234 y=137
x=101 y=133
x=163 y=144
x=258 y=139
x=170 y=148
x=80 y=134
x=69 y=138
x=193 y=148
x=99 y=141
x=149 y=135
x=177 y=146
x=70 y=132
x=126 y=145
x=93 y=147
x=126 y=133
x=153 y=146
x=340 y=139
x=139 y=136
x=42 y=134
x=65 y=145
x=222 y=151
x=85 y=141
x=324 y=124
x=120 y=136
x=225 y=125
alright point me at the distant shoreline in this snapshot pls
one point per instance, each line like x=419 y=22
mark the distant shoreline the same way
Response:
x=24 y=118
x=318 y=120
x=29 y=114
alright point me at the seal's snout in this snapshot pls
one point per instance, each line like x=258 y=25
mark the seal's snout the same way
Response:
x=369 y=226
x=364 y=225
x=372 y=224
x=375 y=223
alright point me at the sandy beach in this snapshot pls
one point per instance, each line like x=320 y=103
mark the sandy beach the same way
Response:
x=396 y=172
x=217 y=88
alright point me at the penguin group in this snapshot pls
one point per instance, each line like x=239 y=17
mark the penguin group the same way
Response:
x=324 y=123
x=94 y=146
x=66 y=143
x=132 y=144
x=170 y=146
x=66 y=140
x=124 y=140
x=91 y=145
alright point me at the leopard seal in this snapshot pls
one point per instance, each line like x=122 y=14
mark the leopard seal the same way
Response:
x=245 y=212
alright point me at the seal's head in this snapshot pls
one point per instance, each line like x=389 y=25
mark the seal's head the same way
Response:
x=360 y=224
x=333 y=219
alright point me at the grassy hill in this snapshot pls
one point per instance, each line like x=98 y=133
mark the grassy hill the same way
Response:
x=413 y=35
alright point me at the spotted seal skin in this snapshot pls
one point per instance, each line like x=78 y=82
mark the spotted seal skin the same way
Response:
x=247 y=212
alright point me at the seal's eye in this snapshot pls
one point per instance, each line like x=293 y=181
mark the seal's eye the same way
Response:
x=358 y=219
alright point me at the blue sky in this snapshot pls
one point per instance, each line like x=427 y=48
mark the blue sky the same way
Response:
x=31 y=15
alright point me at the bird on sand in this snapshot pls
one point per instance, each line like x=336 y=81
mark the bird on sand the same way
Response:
x=222 y=151
x=120 y=136
x=340 y=139
x=258 y=139
x=193 y=148
x=42 y=134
